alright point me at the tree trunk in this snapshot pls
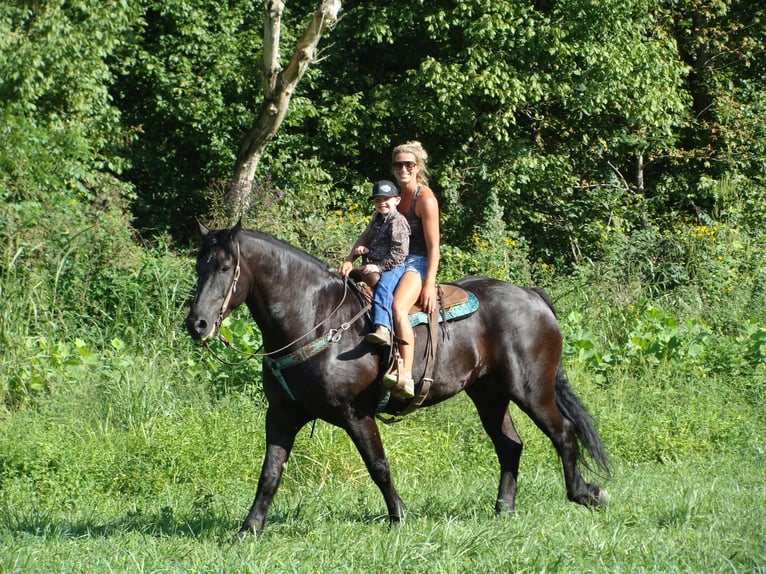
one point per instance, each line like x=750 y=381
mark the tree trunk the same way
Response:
x=640 y=188
x=278 y=87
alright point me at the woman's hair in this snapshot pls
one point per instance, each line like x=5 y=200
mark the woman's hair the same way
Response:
x=421 y=156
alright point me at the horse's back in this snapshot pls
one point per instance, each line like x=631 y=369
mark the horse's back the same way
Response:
x=507 y=304
x=513 y=329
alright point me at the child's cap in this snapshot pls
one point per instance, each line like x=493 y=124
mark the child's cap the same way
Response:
x=384 y=188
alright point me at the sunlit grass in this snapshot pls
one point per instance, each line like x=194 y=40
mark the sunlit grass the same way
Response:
x=167 y=493
x=124 y=448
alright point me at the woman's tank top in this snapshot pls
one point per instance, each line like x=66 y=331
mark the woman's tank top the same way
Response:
x=417 y=237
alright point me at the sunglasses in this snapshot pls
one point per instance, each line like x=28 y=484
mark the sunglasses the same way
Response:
x=408 y=165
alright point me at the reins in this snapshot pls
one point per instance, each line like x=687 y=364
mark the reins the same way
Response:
x=297 y=356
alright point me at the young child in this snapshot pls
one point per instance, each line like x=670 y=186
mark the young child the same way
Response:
x=385 y=245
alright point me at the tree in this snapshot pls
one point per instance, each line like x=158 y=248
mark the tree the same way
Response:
x=539 y=108
x=278 y=87
x=60 y=128
x=559 y=120
x=723 y=42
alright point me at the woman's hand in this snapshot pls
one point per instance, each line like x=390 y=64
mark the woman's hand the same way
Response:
x=429 y=298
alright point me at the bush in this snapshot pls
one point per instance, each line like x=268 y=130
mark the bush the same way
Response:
x=687 y=300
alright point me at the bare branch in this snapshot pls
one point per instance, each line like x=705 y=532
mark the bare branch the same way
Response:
x=278 y=88
x=271 y=29
x=323 y=18
x=622 y=177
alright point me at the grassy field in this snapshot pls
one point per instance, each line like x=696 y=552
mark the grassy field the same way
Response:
x=124 y=448
x=153 y=478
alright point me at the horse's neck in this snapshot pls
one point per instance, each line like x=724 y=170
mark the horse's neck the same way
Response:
x=289 y=293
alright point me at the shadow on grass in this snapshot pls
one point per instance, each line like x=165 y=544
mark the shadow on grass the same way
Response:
x=206 y=524
x=217 y=517
x=162 y=522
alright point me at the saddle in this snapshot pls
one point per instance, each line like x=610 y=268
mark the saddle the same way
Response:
x=449 y=294
x=454 y=302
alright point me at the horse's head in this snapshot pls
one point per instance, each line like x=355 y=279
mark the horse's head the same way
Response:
x=218 y=269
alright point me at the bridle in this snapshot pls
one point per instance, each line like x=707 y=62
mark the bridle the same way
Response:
x=229 y=293
x=297 y=356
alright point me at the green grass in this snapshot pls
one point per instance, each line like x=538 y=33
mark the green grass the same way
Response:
x=123 y=448
x=165 y=492
x=695 y=526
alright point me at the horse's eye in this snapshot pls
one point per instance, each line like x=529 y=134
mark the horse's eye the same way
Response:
x=225 y=268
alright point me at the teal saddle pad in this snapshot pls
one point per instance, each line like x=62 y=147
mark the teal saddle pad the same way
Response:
x=455 y=312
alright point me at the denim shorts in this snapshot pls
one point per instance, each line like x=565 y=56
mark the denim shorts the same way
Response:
x=417 y=263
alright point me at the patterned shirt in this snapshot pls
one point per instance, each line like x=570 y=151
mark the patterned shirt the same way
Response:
x=388 y=239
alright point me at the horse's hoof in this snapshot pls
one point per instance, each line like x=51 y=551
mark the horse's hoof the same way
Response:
x=603 y=497
x=239 y=537
x=504 y=508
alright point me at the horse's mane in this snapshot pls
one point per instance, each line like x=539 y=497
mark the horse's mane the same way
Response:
x=227 y=239
x=282 y=245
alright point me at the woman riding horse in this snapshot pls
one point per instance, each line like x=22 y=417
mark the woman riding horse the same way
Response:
x=317 y=363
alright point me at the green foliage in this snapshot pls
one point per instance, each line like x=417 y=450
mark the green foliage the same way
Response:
x=694 y=311
x=561 y=118
x=55 y=108
x=65 y=238
x=186 y=85
x=235 y=366
x=70 y=297
x=550 y=108
x=533 y=105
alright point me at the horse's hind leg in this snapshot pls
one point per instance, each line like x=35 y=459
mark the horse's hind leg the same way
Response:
x=366 y=436
x=493 y=411
x=543 y=410
x=280 y=437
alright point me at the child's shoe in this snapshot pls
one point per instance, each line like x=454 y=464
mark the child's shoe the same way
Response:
x=380 y=336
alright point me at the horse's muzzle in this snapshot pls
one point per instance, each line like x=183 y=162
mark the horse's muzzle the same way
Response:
x=200 y=329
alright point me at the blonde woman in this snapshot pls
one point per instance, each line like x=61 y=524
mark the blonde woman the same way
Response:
x=419 y=205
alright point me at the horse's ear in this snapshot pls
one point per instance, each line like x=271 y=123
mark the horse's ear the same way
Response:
x=204 y=231
x=236 y=229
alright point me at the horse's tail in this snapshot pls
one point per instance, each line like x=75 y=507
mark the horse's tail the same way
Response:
x=572 y=408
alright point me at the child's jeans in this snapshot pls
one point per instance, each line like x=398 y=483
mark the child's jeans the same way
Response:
x=383 y=301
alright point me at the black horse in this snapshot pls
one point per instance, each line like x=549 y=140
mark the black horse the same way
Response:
x=317 y=364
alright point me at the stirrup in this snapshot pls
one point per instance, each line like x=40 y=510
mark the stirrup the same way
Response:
x=406 y=390
x=390 y=380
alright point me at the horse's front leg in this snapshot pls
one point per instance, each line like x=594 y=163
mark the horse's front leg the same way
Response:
x=366 y=436
x=280 y=437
